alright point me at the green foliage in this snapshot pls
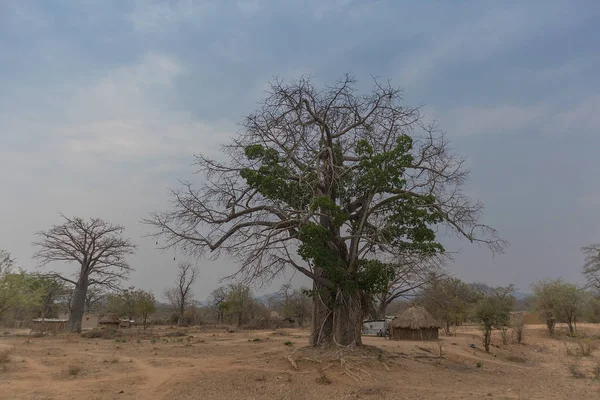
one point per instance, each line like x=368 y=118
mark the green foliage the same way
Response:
x=131 y=303
x=493 y=312
x=26 y=295
x=238 y=302
x=407 y=225
x=557 y=301
x=449 y=300
x=272 y=179
x=288 y=343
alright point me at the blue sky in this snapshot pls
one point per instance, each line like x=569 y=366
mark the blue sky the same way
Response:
x=103 y=104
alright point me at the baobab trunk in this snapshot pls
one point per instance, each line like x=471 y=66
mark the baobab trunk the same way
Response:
x=321 y=332
x=78 y=306
x=347 y=319
x=381 y=309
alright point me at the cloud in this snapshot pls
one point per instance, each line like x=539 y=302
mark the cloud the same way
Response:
x=120 y=116
x=248 y=7
x=541 y=118
x=156 y=16
x=478 y=39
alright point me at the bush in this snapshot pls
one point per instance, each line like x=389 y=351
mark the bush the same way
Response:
x=323 y=379
x=586 y=346
x=73 y=370
x=101 y=333
x=596 y=371
x=288 y=343
x=575 y=371
x=4 y=359
x=516 y=358
x=519 y=330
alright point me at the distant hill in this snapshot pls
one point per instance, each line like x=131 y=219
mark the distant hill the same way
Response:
x=522 y=296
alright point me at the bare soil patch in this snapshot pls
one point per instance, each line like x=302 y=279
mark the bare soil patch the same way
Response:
x=215 y=363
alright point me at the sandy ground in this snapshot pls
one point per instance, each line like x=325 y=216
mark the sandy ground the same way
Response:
x=212 y=363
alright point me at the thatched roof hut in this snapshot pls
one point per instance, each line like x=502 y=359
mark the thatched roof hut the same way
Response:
x=109 y=320
x=414 y=324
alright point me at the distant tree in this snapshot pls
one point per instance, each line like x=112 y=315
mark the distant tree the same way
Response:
x=557 y=301
x=295 y=304
x=216 y=298
x=591 y=267
x=572 y=302
x=99 y=250
x=238 y=303
x=94 y=298
x=6 y=262
x=145 y=304
x=546 y=300
x=122 y=303
x=181 y=296
x=449 y=300
x=7 y=283
x=493 y=312
x=412 y=274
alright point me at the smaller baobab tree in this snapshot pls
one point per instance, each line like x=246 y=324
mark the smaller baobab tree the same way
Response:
x=181 y=295
x=99 y=250
x=591 y=268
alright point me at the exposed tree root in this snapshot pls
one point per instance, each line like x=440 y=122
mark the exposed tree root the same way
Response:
x=357 y=363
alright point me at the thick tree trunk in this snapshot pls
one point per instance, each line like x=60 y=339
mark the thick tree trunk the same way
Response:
x=78 y=306
x=321 y=332
x=347 y=325
x=381 y=309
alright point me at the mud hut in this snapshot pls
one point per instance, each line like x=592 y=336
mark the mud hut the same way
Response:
x=109 y=321
x=414 y=324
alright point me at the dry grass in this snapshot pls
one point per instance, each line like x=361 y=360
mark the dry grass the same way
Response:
x=4 y=359
x=72 y=370
x=516 y=358
x=596 y=371
x=576 y=371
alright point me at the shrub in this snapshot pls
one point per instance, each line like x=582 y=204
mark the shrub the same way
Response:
x=575 y=371
x=479 y=364
x=519 y=330
x=516 y=358
x=323 y=379
x=596 y=371
x=73 y=370
x=586 y=346
x=101 y=333
x=288 y=343
x=4 y=357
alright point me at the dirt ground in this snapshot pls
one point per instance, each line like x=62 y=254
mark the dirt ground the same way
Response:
x=213 y=363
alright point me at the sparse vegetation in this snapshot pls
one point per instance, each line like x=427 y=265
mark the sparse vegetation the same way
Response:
x=288 y=343
x=596 y=371
x=576 y=371
x=73 y=370
x=516 y=358
x=479 y=364
x=323 y=379
x=4 y=359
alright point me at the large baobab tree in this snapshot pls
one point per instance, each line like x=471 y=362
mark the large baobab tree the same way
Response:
x=99 y=250
x=335 y=184
x=181 y=296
